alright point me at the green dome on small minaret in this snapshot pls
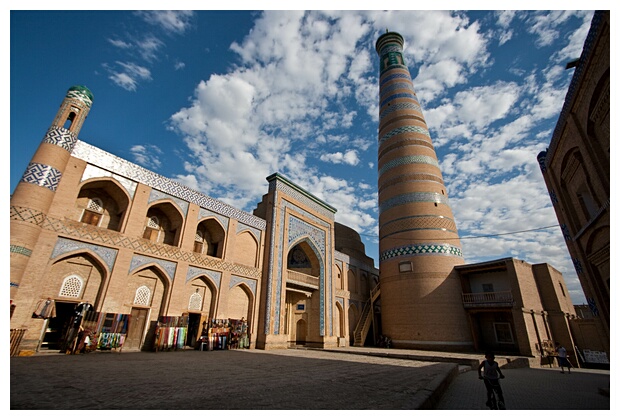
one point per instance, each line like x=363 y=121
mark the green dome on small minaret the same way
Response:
x=81 y=92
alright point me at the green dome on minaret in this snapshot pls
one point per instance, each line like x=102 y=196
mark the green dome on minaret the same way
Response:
x=81 y=92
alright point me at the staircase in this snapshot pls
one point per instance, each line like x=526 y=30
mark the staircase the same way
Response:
x=366 y=319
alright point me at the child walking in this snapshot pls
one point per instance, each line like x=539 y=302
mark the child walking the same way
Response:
x=492 y=375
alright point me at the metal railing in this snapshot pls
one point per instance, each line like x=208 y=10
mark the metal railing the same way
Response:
x=503 y=299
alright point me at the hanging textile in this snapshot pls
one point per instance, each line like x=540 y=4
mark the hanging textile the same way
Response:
x=171 y=333
x=45 y=309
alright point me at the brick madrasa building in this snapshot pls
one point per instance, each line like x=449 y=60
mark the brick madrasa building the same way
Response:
x=105 y=249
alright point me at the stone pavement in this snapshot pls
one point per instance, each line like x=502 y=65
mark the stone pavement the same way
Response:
x=341 y=379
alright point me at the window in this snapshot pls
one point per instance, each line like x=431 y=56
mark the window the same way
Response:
x=143 y=296
x=195 y=301
x=404 y=266
x=151 y=231
x=71 y=287
x=487 y=288
x=93 y=213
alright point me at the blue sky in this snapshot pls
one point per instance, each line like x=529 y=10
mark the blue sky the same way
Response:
x=219 y=100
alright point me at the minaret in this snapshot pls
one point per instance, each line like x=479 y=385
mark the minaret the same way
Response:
x=421 y=305
x=34 y=193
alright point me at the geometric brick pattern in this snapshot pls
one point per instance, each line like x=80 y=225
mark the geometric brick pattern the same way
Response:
x=396 y=86
x=42 y=175
x=122 y=167
x=422 y=250
x=412 y=197
x=89 y=233
x=429 y=222
x=404 y=129
x=411 y=177
x=405 y=142
x=399 y=107
x=408 y=95
x=404 y=75
x=21 y=250
x=60 y=136
x=408 y=160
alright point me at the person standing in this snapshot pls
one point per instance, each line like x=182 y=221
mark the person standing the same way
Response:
x=562 y=357
x=492 y=375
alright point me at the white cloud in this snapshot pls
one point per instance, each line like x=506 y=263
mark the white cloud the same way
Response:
x=177 y=21
x=350 y=157
x=147 y=155
x=128 y=75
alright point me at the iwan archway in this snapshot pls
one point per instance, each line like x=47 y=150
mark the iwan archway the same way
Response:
x=304 y=277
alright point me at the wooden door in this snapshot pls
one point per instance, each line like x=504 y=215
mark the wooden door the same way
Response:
x=135 y=332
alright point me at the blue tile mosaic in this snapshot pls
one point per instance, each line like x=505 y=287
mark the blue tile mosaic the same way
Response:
x=68 y=246
x=404 y=129
x=21 y=250
x=42 y=176
x=136 y=173
x=422 y=250
x=408 y=160
x=140 y=261
x=399 y=107
x=60 y=136
x=159 y=195
x=403 y=75
x=235 y=280
x=413 y=197
x=398 y=96
x=194 y=272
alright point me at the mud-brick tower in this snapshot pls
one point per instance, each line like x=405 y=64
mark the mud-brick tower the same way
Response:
x=36 y=190
x=421 y=304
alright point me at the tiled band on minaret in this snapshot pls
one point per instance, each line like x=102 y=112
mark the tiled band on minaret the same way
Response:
x=418 y=239
x=35 y=192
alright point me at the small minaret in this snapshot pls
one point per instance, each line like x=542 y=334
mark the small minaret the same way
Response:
x=33 y=195
x=421 y=305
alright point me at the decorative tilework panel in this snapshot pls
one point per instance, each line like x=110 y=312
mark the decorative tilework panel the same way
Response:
x=66 y=246
x=553 y=196
x=159 y=195
x=235 y=280
x=42 y=176
x=214 y=276
x=115 y=239
x=257 y=233
x=404 y=75
x=139 y=261
x=395 y=86
x=566 y=232
x=404 y=129
x=421 y=250
x=60 y=136
x=425 y=222
x=21 y=250
x=391 y=47
x=578 y=266
x=307 y=201
x=76 y=94
x=399 y=107
x=204 y=214
x=414 y=197
x=408 y=160
x=410 y=177
x=92 y=171
x=298 y=228
x=136 y=173
x=399 y=96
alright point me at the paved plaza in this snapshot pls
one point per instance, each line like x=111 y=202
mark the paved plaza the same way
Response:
x=283 y=380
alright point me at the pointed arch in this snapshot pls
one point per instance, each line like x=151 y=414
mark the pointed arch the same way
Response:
x=246 y=248
x=112 y=199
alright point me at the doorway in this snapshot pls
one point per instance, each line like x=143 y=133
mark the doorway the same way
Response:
x=56 y=330
x=135 y=331
x=301 y=331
